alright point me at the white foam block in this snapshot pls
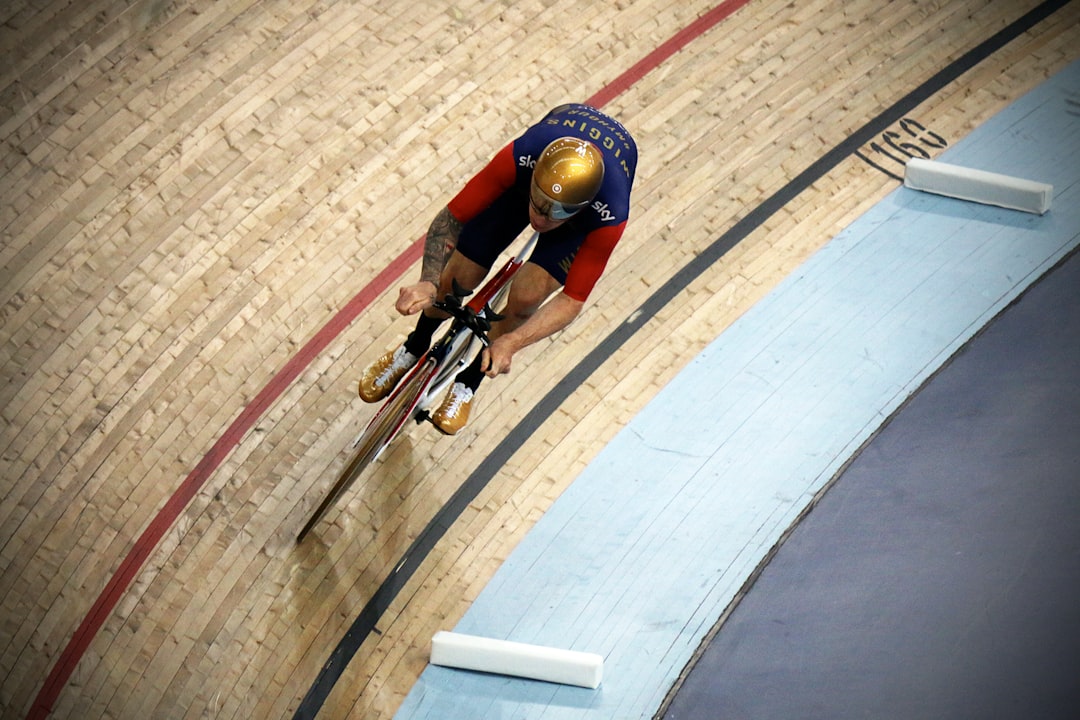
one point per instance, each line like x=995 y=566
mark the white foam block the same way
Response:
x=535 y=662
x=978 y=185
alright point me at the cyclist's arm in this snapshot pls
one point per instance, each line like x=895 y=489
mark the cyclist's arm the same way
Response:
x=550 y=318
x=591 y=259
x=563 y=307
x=497 y=177
x=441 y=239
x=442 y=236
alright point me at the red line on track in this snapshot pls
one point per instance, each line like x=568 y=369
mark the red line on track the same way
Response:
x=673 y=45
x=151 y=536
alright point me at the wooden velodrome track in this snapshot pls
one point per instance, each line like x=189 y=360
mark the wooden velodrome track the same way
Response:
x=207 y=207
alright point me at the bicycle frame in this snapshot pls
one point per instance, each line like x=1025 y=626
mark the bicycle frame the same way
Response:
x=454 y=349
x=432 y=375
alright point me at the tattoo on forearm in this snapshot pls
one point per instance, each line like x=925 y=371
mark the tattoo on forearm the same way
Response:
x=441 y=240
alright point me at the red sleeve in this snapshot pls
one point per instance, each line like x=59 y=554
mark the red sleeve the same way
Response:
x=488 y=184
x=590 y=261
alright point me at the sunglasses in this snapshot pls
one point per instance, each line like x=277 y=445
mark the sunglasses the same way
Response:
x=551 y=208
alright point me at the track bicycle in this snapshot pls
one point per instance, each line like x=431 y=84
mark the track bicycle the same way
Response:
x=429 y=378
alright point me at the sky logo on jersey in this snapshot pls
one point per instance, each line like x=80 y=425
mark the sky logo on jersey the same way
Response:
x=602 y=210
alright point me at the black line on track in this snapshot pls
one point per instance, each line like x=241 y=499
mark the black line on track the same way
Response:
x=365 y=623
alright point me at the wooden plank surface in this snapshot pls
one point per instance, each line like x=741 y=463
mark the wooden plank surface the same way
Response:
x=193 y=189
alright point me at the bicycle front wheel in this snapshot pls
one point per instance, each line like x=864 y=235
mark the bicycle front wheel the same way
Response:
x=379 y=433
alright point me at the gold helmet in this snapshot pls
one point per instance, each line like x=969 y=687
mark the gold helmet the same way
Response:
x=566 y=178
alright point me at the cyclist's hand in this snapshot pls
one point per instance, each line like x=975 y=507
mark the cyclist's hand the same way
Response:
x=496 y=358
x=414 y=298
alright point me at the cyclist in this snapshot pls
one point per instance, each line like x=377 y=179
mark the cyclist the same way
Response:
x=568 y=176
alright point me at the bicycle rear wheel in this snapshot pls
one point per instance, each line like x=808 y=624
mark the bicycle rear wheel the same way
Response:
x=379 y=433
